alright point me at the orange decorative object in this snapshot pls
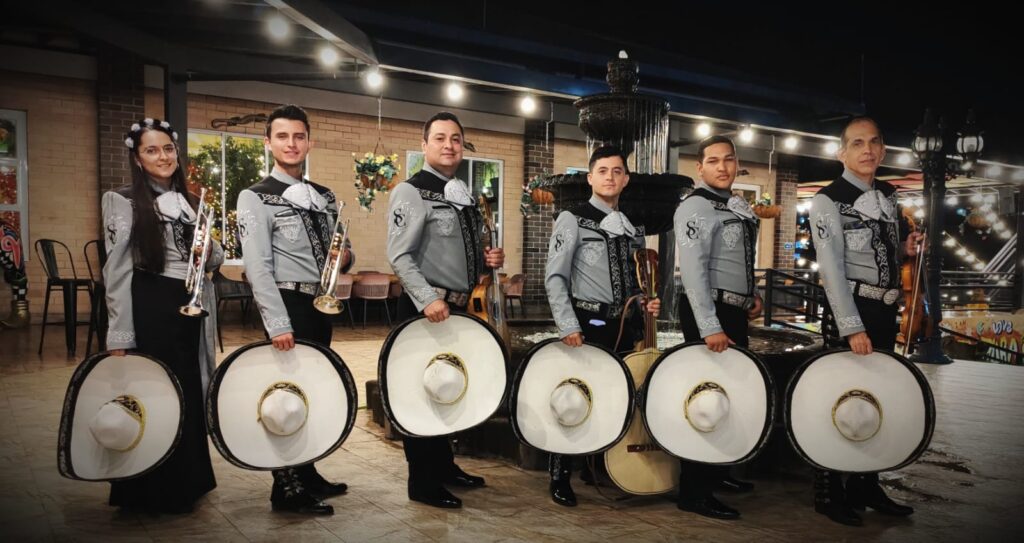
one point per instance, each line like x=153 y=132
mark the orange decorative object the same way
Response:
x=541 y=196
x=977 y=221
x=767 y=211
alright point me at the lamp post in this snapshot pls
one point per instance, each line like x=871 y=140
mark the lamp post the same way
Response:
x=928 y=146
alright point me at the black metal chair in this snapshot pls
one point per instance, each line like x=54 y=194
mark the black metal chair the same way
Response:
x=228 y=290
x=51 y=253
x=96 y=251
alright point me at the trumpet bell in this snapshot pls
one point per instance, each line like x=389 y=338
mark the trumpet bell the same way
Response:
x=328 y=304
x=193 y=311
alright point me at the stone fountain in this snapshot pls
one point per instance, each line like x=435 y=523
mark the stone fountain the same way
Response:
x=637 y=123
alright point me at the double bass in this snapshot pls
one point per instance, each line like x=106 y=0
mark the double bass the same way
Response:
x=635 y=464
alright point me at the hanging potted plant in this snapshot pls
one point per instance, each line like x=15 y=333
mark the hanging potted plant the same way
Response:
x=374 y=174
x=764 y=208
x=533 y=197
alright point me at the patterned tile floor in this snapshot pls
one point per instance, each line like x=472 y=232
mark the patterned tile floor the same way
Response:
x=967 y=487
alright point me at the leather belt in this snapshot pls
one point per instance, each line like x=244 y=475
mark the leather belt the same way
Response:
x=888 y=296
x=606 y=311
x=727 y=297
x=453 y=297
x=305 y=288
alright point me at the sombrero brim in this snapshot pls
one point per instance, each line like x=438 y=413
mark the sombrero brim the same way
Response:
x=907 y=406
x=239 y=382
x=99 y=379
x=544 y=367
x=406 y=353
x=746 y=427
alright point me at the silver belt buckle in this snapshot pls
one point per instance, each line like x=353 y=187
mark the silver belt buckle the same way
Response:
x=891 y=296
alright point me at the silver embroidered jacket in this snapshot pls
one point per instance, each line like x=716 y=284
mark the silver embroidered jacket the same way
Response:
x=118 y=220
x=431 y=241
x=716 y=235
x=286 y=234
x=857 y=237
x=586 y=263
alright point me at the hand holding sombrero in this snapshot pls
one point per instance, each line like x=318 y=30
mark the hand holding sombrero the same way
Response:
x=269 y=409
x=440 y=378
x=122 y=418
x=859 y=414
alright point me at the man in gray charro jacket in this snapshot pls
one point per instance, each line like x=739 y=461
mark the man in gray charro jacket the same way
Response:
x=590 y=276
x=435 y=247
x=860 y=244
x=716 y=236
x=286 y=224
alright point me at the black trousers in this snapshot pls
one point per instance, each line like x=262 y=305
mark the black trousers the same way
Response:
x=167 y=335
x=430 y=459
x=311 y=325
x=602 y=331
x=697 y=480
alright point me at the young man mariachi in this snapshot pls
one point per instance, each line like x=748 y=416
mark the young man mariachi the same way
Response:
x=716 y=234
x=286 y=224
x=855 y=225
x=589 y=277
x=435 y=247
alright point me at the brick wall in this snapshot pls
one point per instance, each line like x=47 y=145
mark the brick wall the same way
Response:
x=119 y=98
x=785 y=224
x=538 y=158
x=62 y=175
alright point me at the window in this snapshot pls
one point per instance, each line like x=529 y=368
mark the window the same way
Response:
x=14 y=173
x=226 y=164
x=483 y=175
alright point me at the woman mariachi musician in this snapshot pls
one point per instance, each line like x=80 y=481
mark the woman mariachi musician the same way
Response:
x=149 y=228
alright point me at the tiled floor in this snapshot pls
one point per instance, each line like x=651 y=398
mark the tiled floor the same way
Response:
x=968 y=487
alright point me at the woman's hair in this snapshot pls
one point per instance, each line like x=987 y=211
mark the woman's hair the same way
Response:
x=147 y=234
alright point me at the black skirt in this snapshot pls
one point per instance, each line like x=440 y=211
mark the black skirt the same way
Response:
x=162 y=332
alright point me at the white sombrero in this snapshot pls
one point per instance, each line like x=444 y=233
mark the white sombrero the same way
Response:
x=440 y=378
x=714 y=408
x=857 y=414
x=270 y=409
x=571 y=400
x=122 y=418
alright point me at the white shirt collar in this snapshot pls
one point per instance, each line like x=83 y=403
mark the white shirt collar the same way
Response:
x=429 y=168
x=284 y=177
x=599 y=204
x=852 y=178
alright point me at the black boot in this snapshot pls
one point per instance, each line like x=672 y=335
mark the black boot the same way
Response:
x=864 y=491
x=457 y=477
x=432 y=494
x=695 y=484
x=317 y=485
x=289 y=494
x=830 y=499
x=560 y=469
x=731 y=484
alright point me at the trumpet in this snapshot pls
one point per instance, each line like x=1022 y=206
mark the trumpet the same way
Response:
x=327 y=302
x=197 y=260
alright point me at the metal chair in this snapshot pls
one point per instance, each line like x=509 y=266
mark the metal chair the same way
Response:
x=343 y=292
x=96 y=251
x=52 y=254
x=373 y=287
x=514 y=291
x=228 y=290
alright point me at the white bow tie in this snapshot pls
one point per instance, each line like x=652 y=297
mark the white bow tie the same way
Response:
x=874 y=205
x=173 y=205
x=616 y=224
x=739 y=205
x=457 y=193
x=303 y=195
